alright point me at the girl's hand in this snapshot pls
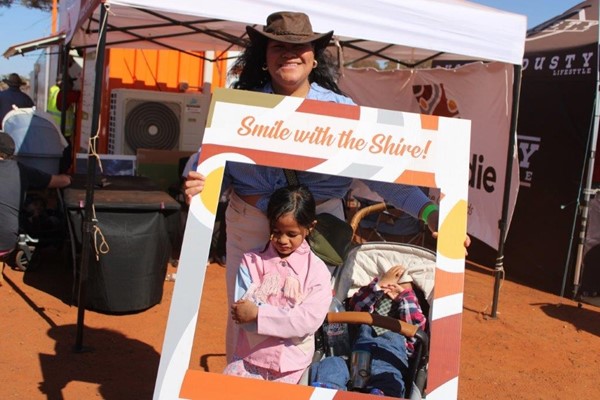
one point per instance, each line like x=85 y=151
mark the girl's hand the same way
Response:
x=392 y=275
x=193 y=185
x=244 y=311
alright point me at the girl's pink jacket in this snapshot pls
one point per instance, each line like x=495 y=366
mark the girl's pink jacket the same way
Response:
x=294 y=294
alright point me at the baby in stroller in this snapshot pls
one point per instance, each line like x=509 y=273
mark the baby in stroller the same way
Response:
x=386 y=352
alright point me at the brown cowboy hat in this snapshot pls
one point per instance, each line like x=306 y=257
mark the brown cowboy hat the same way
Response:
x=13 y=80
x=290 y=27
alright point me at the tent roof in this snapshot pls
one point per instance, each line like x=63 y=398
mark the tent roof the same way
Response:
x=397 y=30
x=578 y=26
x=33 y=45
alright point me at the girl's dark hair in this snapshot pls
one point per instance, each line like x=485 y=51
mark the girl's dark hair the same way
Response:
x=295 y=199
x=248 y=73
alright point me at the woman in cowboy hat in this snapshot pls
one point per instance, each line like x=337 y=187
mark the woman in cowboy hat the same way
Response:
x=13 y=96
x=287 y=58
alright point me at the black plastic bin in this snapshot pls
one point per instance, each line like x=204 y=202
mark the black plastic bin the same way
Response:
x=139 y=227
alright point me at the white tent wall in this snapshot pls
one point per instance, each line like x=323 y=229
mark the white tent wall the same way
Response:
x=401 y=30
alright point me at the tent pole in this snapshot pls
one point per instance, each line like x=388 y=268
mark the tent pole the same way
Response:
x=587 y=192
x=89 y=223
x=578 y=209
x=63 y=88
x=499 y=267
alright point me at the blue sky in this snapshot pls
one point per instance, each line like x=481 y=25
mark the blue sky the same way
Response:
x=19 y=24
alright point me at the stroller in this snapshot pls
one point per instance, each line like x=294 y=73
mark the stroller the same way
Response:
x=369 y=259
x=39 y=144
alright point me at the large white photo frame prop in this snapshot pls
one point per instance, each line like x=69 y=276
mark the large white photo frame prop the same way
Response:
x=336 y=139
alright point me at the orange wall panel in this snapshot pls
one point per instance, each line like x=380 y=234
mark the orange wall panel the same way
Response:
x=150 y=69
x=163 y=69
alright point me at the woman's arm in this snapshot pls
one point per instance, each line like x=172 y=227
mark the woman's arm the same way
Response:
x=59 y=181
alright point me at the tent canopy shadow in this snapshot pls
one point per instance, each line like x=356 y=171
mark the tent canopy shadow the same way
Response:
x=582 y=318
x=120 y=366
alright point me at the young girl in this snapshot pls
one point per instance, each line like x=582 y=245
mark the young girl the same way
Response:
x=282 y=294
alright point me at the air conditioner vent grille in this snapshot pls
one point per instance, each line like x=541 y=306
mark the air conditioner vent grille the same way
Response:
x=147 y=119
x=152 y=125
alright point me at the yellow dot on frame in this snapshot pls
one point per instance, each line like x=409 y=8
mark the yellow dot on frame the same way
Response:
x=212 y=189
x=452 y=232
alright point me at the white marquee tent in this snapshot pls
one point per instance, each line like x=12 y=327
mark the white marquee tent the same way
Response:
x=415 y=29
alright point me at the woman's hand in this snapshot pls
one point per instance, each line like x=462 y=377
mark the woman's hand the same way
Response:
x=432 y=223
x=193 y=185
x=244 y=311
x=466 y=243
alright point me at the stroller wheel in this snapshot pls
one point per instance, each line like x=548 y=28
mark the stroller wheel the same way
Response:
x=21 y=261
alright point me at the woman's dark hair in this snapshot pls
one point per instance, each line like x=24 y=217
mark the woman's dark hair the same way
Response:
x=248 y=73
x=295 y=199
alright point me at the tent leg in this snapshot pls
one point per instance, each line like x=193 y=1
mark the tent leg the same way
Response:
x=499 y=267
x=89 y=222
x=583 y=208
x=581 y=240
x=578 y=263
x=587 y=190
x=498 y=277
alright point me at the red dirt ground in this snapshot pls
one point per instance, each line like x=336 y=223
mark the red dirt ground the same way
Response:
x=540 y=347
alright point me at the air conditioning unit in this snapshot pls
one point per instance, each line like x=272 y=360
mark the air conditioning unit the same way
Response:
x=147 y=119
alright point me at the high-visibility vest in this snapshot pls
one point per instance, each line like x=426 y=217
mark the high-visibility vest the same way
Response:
x=56 y=114
x=52 y=109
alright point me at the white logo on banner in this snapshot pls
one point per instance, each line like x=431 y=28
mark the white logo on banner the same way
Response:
x=528 y=146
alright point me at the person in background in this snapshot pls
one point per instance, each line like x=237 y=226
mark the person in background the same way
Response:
x=15 y=180
x=51 y=105
x=13 y=96
x=67 y=98
x=70 y=97
x=288 y=58
x=282 y=294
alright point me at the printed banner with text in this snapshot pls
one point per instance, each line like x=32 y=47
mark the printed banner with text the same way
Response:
x=479 y=92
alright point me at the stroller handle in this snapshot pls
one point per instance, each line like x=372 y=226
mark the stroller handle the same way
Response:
x=363 y=212
x=360 y=317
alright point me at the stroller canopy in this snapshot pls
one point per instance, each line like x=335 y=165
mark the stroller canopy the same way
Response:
x=374 y=258
x=34 y=133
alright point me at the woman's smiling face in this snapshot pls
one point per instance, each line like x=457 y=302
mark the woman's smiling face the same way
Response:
x=289 y=66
